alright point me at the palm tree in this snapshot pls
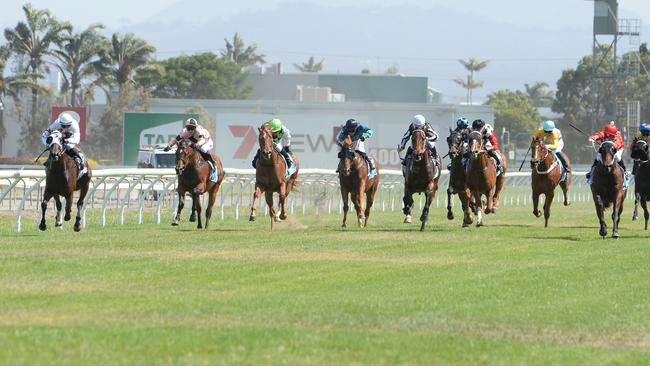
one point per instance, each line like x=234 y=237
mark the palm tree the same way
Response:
x=310 y=66
x=238 y=53
x=123 y=57
x=33 y=39
x=538 y=95
x=472 y=65
x=78 y=60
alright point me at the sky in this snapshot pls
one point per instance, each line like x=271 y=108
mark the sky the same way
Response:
x=525 y=41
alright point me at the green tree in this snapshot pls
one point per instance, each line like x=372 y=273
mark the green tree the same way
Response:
x=515 y=112
x=78 y=59
x=202 y=76
x=123 y=57
x=539 y=95
x=10 y=86
x=237 y=52
x=472 y=65
x=33 y=40
x=310 y=66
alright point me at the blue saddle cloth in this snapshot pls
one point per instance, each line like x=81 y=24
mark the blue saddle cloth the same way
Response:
x=289 y=170
x=372 y=173
x=214 y=174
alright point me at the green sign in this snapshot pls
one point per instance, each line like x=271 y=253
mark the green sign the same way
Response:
x=149 y=129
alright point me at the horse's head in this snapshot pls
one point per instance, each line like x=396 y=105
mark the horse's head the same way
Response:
x=475 y=143
x=184 y=154
x=640 y=150
x=55 y=145
x=538 y=152
x=346 y=156
x=607 y=152
x=418 y=138
x=454 y=142
x=265 y=139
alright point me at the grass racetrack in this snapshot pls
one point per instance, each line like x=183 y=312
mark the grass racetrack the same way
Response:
x=311 y=293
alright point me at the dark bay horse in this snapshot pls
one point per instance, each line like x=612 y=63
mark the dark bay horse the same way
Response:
x=607 y=188
x=457 y=175
x=641 y=180
x=194 y=178
x=270 y=177
x=546 y=175
x=61 y=181
x=420 y=177
x=355 y=182
x=482 y=177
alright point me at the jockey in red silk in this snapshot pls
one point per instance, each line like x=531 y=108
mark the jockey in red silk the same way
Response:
x=610 y=133
x=490 y=141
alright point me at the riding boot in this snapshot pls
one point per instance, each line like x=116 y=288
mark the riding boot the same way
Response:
x=564 y=161
x=74 y=154
x=496 y=157
x=591 y=169
x=622 y=165
x=371 y=165
x=287 y=157
x=208 y=157
x=257 y=155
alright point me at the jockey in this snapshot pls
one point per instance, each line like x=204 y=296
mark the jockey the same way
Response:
x=199 y=137
x=644 y=135
x=462 y=126
x=359 y=134
x=552 y=137
x=69 y=127
x=610 y=133
x=489 y=141
x=281 y=141
x=419 y=122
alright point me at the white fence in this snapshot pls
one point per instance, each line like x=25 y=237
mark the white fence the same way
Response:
x=318 y=192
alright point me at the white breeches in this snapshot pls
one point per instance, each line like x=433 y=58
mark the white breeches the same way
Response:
x=560 y=146
x=617 y=157
x=207 y=147
x=278 y=146
x=359 y=146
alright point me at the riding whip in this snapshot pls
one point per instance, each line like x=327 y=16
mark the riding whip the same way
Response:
x=41 y=154
x=525 y=156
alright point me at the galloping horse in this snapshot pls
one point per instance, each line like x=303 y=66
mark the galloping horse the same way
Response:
x=457 y=176
x=420 y=177
x=547 y=172
x=194 y=178
x=355 y=180
x=607 y=187
x=270 y=176
x=482 y=177
x=61 y=180
x=641 y=180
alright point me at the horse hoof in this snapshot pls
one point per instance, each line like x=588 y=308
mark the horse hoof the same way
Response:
x=192 y=218
x=42 y=227
x=199 y=227
x=408 y=219
x=58 y=224
x=283 y=216
x=567 y=203
x=634 y=218
x=487 y=211
x=615 y=235
x=450 y=216
x=424 y=218
x=252 y=218
x=537 y=214
x=67 y=217
x=175 y=223
x=77 y=228
x=494 y=210
x=603 y=233
x=344 y=226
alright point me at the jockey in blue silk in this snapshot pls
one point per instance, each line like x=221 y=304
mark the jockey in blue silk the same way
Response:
x=642 y=135
x=71 y=132
x=358 y=133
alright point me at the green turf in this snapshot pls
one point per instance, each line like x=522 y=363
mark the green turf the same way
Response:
x=312 y=293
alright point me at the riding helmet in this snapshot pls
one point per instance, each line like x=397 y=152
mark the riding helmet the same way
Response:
x=418 y=121
x=610 y=129
x=478 y=125
x=65 y=119
x=275 y=125
x=351 y=124
x=549 y=126
x=645 y=127
x=462 y=122
x=191 y=122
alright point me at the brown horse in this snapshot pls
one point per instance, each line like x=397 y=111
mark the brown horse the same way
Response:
x=194 y=178
x=457 y=176
x=607 y=188
x=61 y=181
x=546 y=175
x=482 y=177
x=641 y=180
x=420 y=177
x=270 y=176
x=354 y=181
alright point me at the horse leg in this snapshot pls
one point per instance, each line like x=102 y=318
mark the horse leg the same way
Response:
x=497 y=192
x=256 y=195
x=196 y=202
x=548 y=201
x=490 y=206
x=601 y=216
x=465 y=197
x=345 y=196
x=212 y=197
x=370 y=199
x=425 y=211
x=80 y=204
x=179 y=208
x=193 y=213
x=536 y=203
x=646 y=214
x=565 y=188
x=59 y=211
x=46 y=198
x=283 y=197
x=479 y=209
x=68 y=207
x=408 y=204
x=450 y=214
x=637 y=198
x=357 y=199
x=269 y=201
x=616 y=213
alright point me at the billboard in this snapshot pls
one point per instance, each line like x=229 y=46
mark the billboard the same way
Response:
x=78 y=113
x=142 y=129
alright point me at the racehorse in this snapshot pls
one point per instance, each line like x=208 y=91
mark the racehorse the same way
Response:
x=457 y=175
x=607 y=188
x=62 y=181
x=270 y=176
x=355 y=181
x=420 y=177
x=482 y=177
x=194 y=178
x=546 y=175
x=641 y=180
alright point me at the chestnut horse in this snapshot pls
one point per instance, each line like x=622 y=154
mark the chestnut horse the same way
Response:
x=607 y=188
x=270 y=176
x=61 y=181
x=194 y=178
x=420 y=177
x=354 y=181
x=546 y=175
x=457 y=176
x=641 y=180
x=482 y=177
